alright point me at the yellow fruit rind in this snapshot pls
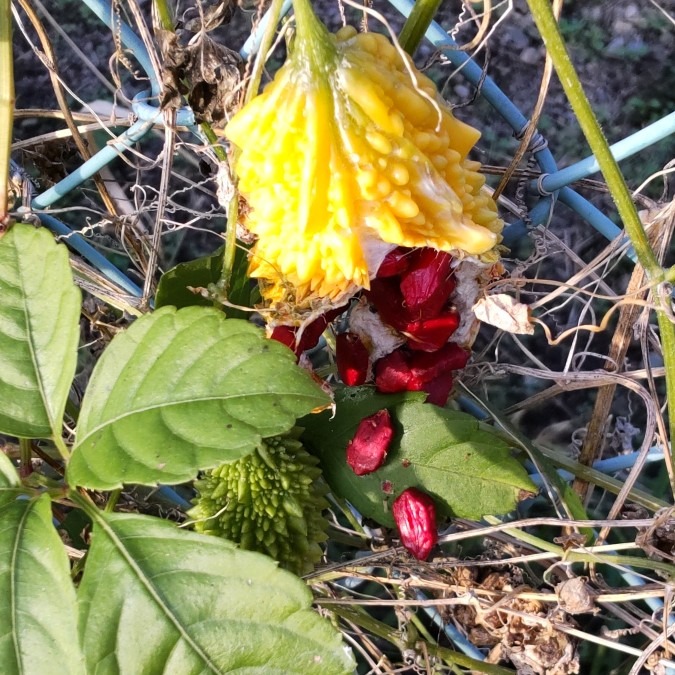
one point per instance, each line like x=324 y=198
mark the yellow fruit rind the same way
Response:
x=339 y=162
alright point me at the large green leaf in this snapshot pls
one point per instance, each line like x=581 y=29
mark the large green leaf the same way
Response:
x=174 y=286
x=39 y=331
x=157 y=599
x=464 y=465
x=38 y=615
x=181 y=391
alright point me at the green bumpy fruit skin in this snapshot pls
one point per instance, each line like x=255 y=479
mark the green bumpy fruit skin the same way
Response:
x=270 y=501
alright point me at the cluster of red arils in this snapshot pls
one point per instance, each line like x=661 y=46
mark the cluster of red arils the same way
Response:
x=411 y=295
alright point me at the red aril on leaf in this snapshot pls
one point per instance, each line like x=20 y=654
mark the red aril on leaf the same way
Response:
x=431 y=334
x=427 y=284
x=368 y=449
x=395 y=262
x=415 y=516
x=352 y=359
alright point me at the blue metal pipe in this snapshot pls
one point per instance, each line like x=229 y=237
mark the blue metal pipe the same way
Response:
x=92 y=166
x=150 y=113
x=78 y=243
x=607 y=466
x=252 y=44
x=540 y=213
x=542 y=210
x=628 y=146
x=594 y=216
x=452 y=633
x=130 y=40
x=473 y=72
x=171 y=495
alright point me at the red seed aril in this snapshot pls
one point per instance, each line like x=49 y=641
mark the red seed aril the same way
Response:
x=439 y=389
x=415 y=516
x=285 y=335
x=427 y=366
x=410 y=371
x=368 y=449
x=395 y=262
x=392 y=373
x=427 y=284
x=311 y=333
x=352 y=359
x=431 y=334
x=385 y=295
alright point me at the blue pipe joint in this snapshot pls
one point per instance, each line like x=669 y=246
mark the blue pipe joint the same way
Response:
x=150 y=113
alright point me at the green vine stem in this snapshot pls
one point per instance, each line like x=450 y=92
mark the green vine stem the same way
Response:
x=417 y=23
x=547 y=25
x=589 y=558
x=6 y=105
x=602 y=480
x=251 y=91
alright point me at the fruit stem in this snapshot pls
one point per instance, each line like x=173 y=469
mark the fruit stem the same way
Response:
x=313 y=43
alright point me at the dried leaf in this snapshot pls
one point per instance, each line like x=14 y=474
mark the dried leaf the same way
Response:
x=219 y=12
x=173 y=57
x=213 y=74
x=576 y=596
x=504 y=312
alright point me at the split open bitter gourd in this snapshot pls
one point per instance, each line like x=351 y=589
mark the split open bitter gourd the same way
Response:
x=348 y=153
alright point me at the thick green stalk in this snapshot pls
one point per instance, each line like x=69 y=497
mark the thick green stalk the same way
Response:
x=164 y=14
x=60 y=445
x=550 y=32
x=6 y=104
x=211 y=137
x=416 y=25
x=112 y=500
x=548 y=27
x=314 y=45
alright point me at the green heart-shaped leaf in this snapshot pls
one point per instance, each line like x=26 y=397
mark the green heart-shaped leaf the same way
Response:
x=181 y=391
